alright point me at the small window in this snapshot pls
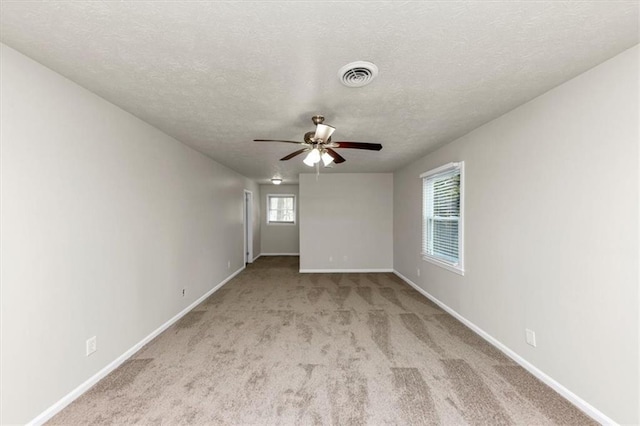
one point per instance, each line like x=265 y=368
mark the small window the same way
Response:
x=442 y=216
x=281 y=208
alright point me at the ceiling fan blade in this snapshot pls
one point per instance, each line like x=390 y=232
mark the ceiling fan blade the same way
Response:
x=359 y=145
x=337 y=158
x=293 y=154
x=275 y=140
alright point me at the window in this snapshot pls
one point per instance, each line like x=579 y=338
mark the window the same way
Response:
x=442 y=213
x=281 y=208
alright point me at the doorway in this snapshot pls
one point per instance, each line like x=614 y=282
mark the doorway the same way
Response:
x=248 y=227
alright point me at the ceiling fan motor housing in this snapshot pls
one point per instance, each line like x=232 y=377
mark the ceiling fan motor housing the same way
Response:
x=309 y=138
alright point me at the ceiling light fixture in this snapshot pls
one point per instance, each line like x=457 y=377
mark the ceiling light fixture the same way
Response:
x=324 y=132
x=312 y=158
x=276 y=181
x=322 y=136
x=327 y=159
x=316 y=155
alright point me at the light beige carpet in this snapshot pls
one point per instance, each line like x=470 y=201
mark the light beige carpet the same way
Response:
x=277 y=347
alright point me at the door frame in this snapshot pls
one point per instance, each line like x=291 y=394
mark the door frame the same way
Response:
x=247 y=226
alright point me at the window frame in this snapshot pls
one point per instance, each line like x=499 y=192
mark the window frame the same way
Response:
x=268 y=209
x=457 y=267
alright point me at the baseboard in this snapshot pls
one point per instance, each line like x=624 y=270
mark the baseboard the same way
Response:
x=279 y=254
x=255 y=258
x=334 y=271
x=69 y=398
x=583 y=405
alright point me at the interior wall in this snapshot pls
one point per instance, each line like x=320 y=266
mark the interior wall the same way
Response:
x=346 y=222
x=279 y=238
x=551 y=226
x=105 y=220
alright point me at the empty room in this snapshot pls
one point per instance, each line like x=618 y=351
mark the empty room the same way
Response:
x=319 y=213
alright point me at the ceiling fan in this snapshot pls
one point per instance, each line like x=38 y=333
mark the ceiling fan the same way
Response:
x=319 y=145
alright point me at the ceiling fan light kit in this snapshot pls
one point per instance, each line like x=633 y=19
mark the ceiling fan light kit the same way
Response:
x=312 y=158
x=327 y=159
x=324 y=132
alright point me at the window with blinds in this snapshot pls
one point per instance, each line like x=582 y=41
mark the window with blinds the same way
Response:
x=442 y=224
x=281 y=208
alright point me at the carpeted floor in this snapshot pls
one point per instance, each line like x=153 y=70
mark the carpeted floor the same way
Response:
x=277 y=347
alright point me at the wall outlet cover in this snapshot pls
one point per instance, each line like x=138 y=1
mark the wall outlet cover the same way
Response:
x=531 y=337
x=92 y=345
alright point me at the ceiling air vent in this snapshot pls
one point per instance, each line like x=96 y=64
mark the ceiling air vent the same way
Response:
x=357 y=74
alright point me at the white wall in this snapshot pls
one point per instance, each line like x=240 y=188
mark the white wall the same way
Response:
x=551 y=233
x=279 y=238
x=104 y=221
x=346 y=222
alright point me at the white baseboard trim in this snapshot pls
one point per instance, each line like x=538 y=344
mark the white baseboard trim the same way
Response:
x=255 y=258
x=279 y=254
x=583 y=405
x=333 y=271
x=71 y=396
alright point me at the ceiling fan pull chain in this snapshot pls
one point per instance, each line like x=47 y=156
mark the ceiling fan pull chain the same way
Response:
x=317 y=170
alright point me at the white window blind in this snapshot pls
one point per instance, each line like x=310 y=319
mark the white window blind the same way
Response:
x=442 y=216
x=281 y=208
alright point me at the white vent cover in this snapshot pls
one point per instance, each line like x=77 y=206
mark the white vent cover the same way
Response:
x=357 y=74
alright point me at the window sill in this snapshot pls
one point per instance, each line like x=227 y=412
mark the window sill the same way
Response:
x=448 y=266
x=281 y=223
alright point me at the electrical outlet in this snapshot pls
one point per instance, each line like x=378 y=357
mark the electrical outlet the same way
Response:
x=345 y=258
x=531 y=337
x=92 y=345
x=418 y=271
x=228 y=264
x=330 y=258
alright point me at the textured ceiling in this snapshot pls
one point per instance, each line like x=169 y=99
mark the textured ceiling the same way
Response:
x=216 y=75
